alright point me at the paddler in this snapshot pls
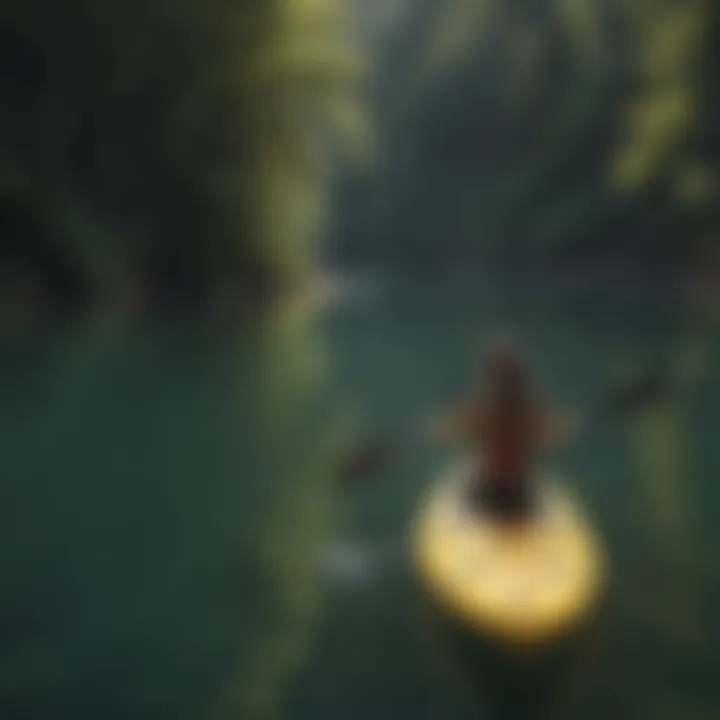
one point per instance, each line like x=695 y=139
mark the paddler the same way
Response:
x=507 y=426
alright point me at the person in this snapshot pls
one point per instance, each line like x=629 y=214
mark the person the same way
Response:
x=507 y=425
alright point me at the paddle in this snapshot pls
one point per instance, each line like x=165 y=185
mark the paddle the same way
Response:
x=371 y=457
x=376 y=455
x=645 y=390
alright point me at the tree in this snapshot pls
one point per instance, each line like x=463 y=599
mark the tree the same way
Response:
x=174 y=144
x=544 y=132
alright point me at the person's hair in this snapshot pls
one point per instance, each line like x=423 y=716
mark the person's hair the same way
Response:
x=508 y=376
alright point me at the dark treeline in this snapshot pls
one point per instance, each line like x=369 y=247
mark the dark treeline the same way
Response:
x=547 y=133
x=180 y=148
x=150 y=146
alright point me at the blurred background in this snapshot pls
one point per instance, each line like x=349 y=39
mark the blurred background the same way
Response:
x=238 y=239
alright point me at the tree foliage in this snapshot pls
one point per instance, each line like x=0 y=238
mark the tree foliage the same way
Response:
x=549 y=130
x=169 y=142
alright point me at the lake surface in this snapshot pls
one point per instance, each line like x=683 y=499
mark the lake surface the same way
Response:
x=175 y=546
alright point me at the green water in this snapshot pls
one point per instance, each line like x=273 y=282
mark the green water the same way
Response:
x=166 y=494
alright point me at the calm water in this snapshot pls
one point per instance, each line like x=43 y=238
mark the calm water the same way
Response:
x=167 y=505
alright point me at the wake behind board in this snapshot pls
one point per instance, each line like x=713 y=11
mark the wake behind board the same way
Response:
x=525 y=583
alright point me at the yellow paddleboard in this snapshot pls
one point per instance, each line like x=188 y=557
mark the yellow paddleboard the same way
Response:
x=524 y=583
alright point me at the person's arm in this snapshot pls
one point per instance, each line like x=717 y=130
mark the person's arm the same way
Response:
x=455 y=425
x=562 y=428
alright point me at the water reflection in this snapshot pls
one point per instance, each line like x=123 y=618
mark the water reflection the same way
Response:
x=167 y=497
x=166 y=492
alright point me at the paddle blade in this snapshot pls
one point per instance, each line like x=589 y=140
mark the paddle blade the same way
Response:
x=366 y=462
x=639 y=394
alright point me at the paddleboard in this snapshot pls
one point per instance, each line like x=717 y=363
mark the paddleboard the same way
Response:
x=525 y=582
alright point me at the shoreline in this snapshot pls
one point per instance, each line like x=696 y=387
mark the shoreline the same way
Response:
x=28 y=304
